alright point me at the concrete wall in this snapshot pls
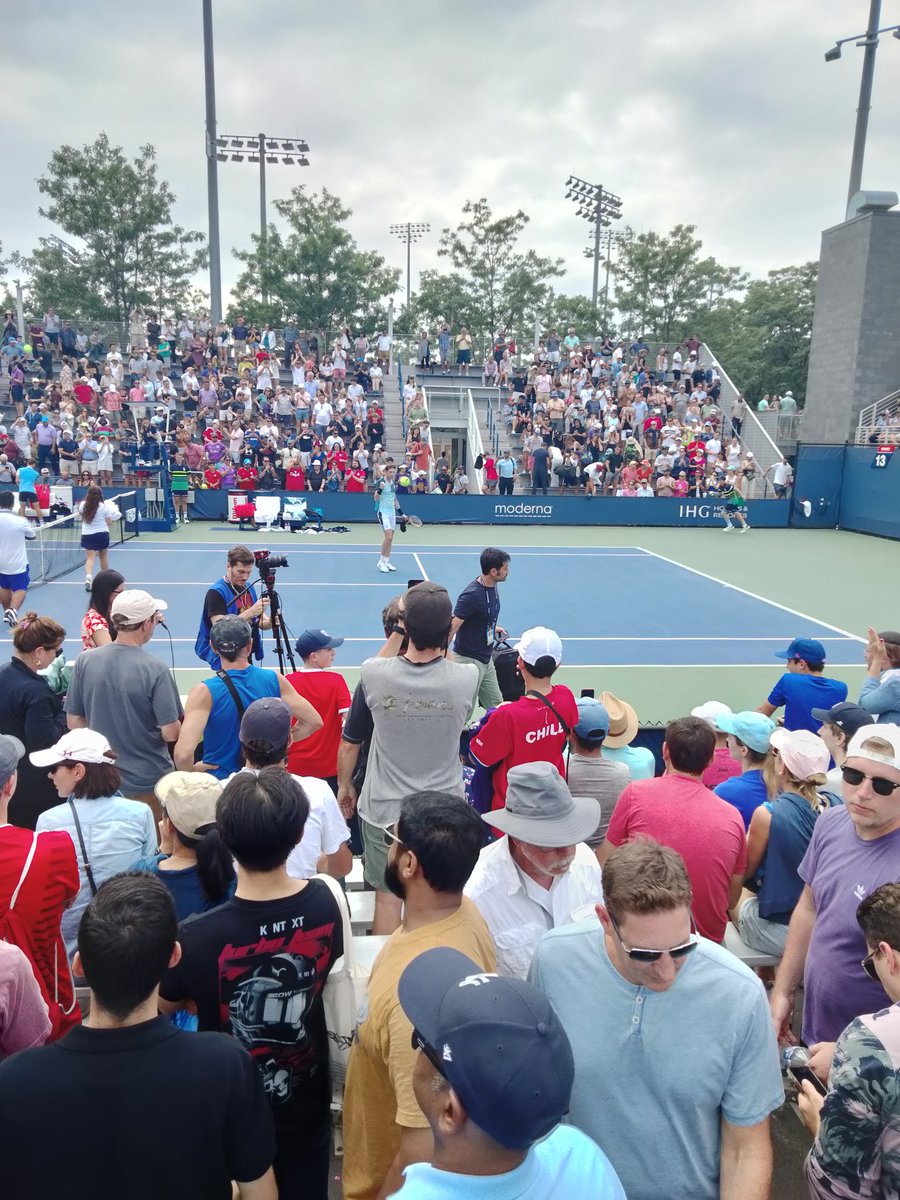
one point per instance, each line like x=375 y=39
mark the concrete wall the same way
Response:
x=855 y=351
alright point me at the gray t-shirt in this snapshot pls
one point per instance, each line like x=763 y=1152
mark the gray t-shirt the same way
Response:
x=604 y=780
x=126 y=694
x=418 y=712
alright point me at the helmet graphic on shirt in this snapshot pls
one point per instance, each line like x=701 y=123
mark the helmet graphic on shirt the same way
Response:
x=269 y=1004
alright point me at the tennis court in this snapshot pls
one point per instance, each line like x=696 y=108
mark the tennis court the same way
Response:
x=666 y=618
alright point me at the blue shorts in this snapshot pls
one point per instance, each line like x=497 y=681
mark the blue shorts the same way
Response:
x=464 y=356
x=15 y=583
x=95 y=541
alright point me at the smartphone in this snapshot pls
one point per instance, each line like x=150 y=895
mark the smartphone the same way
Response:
x=587 y=692
x=802 y=1074
x=411 y=583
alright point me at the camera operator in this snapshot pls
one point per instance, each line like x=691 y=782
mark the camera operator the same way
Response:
x=230 y=596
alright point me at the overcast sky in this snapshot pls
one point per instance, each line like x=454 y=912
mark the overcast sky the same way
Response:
x=722 y=115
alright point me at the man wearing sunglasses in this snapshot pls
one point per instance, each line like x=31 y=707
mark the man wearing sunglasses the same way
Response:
x=676 y=1067
x=855 y=848
x=857 y=1122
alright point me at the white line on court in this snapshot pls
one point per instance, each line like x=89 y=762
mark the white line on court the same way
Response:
x=795 y=612
x=419 y=565
x=408 y=548
x=282 y=583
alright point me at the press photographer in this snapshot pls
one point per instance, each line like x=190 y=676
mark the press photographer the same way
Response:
x=231 y=596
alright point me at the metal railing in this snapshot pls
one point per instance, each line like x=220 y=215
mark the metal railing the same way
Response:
x=402 y=401
x=474 y=445
x=493 y=428
x=869 y=422
x=429 y=440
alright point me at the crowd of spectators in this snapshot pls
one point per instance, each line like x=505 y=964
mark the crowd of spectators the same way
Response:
x=538 y=877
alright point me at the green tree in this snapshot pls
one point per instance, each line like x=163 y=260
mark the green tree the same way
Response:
x=314 y=272
x=764 y=339
x=665 y=286
x=503 y=285
x=562 y=311
x=132 y=251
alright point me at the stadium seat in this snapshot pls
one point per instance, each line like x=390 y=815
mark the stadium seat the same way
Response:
x=740 y=949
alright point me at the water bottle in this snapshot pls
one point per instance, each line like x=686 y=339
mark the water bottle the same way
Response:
x=794 y=1056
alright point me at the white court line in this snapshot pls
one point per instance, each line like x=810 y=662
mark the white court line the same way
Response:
x=343 y=547
x=795 y=612
x=419 y=565
x=158 y=583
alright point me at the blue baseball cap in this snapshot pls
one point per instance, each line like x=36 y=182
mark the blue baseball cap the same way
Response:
x=752 y=728
x=808 y=649
x=593 y=721
x=497 y=1042
x=311 y=640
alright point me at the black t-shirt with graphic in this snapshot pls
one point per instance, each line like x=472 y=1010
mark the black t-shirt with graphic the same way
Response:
x=256 y=969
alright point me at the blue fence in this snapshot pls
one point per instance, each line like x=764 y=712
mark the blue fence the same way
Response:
x=340 y=507
x=850 y=487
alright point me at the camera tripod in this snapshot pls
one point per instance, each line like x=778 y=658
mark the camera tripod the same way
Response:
x=279 y=631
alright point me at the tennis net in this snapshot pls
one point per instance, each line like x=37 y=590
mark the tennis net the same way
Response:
x=56 y=548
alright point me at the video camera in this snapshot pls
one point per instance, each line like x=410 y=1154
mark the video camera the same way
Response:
x=267 y=563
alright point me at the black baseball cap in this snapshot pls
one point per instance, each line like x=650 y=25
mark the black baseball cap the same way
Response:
x=497 y=1042
x=846 y=716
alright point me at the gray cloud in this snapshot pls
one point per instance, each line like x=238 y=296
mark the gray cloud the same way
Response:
x=720 y=115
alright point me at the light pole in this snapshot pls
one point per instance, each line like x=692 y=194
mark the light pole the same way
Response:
x=600 y=208
x=869 y=42
x=259 y=148
x=212 y=168
x=409 y=232
x=608 y=239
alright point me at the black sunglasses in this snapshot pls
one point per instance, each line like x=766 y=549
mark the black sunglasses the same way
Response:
x=650 y=956
x=419 y=1043
x=880 y=785
x=868 y=965
x=52 y=770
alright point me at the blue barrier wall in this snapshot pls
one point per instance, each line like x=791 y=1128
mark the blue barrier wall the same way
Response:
x=519 y=510
x=847 y=490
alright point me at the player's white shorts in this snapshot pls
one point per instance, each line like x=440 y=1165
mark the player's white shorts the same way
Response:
x=388 y=520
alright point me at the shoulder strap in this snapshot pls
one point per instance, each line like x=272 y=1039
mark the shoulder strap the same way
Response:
x=84 y=857
x=233 y=692
x=343 y=904
x=25 y=868
x=544 y=700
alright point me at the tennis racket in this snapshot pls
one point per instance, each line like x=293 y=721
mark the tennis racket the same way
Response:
x=416 y=522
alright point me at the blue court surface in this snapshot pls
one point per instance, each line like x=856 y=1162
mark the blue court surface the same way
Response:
x=612 y=606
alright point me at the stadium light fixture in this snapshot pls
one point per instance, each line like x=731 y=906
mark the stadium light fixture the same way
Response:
x=409 y=232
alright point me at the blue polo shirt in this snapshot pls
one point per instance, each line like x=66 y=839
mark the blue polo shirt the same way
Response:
x=799 y=694
x=746 y=792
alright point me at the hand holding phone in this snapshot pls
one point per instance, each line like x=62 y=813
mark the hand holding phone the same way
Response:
x=801 y=1075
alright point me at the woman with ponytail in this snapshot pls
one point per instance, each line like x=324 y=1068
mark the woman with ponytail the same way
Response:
x=194 y=864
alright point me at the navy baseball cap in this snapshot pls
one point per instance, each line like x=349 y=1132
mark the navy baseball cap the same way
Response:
x=311 y=640
x=846 y=716
x=808 y=649
x=497 y=1042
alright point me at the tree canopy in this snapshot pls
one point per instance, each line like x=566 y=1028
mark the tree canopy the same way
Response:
x=132 y=251
x=314 y=272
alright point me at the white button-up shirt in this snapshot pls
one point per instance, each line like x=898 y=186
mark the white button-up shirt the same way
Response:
x=519 y=911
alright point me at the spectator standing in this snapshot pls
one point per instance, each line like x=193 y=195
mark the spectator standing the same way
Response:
x=880 y=693
x=255 y=967
x=108 y=831
x=541 y=874
x=126 y=694
x=31 y=711
x=723 y=766
x=489 y=1131
x=623 y=729
x=535 y=728
x=855 y=847
x=475 y=625
x=748 y=736
x=326 y=690
x=856 y=1124
x=588 y=771
x=678 y=811
x=434 y=846
x=804 y=687
x=95 y=630
x=414 y=745
x=215 y=706
x=506 y=473
x=38 y=881
x=642 y=998
x=215 y=1120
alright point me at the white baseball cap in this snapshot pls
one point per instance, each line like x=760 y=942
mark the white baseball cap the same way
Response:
x=710 y=710
x=78 y=745
x=885 y=733
x=136 y=605
x=539 y=643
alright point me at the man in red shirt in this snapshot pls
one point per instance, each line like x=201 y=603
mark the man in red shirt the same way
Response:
x=326 y=690
x=38 y=881
x=294 y=478
x=247 y=476
x=678 y=811
x=535 y=728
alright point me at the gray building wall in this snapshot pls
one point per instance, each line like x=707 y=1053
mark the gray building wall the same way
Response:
x=854 y=355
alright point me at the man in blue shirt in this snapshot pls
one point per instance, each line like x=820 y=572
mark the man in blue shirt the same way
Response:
x=748 y=743
x=676 y=1064
x=804 y=687
x=506 y=473
x=493 y=1077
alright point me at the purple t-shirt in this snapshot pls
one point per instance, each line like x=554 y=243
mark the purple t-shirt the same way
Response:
x=841 y=869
